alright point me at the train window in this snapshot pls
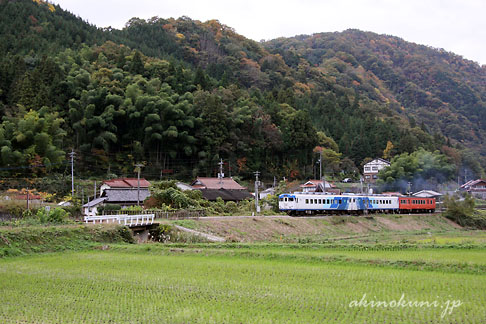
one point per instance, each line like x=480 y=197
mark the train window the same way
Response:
x=291 y=199
x=307 y=201
x=315 y=201
x=320 y=201
x=340 y=201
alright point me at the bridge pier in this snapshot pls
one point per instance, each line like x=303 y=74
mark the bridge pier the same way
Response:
x=141 y=233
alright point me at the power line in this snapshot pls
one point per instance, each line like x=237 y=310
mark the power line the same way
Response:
x=33 y=166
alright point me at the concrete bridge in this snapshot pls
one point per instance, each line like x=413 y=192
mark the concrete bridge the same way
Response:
x=128 y=220
x=139 y=224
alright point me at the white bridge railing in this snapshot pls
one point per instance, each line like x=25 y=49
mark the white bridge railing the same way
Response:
x=130 y=220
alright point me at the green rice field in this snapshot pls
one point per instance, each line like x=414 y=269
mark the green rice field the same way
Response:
x=207 y=283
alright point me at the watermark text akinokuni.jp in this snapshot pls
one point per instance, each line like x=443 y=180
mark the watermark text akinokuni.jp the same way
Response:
x=446 y=306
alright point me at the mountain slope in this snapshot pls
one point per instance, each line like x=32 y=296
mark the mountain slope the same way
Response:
x=444 y=91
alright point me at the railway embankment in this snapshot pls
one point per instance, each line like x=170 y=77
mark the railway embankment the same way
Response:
x=325 y=228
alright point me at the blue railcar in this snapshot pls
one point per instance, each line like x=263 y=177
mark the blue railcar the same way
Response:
x=320 y=203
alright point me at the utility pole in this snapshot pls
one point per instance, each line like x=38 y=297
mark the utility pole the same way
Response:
x=321 y=177
x=138 y=168
x=94 y=195
x=72 y=154
x=320 y=165
x=257 y=196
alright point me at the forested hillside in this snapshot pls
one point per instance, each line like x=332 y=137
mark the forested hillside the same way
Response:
x=179 y=94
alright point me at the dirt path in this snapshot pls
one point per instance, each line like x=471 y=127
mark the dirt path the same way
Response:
x=209 y=237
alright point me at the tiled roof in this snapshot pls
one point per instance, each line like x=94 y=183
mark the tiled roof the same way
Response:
x=124 y=195
x=94 y=202
x=127 y=183
x=427 y=194
x=216 y=183
x=472 y=183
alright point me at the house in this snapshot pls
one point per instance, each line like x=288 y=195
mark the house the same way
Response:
x=122 y=197
x=91 y=207
x=317 y=186
x=427 y=194
x=371 y=169
x=124 y=192
x=226 y=188
x=269 y=191
x=476 y=188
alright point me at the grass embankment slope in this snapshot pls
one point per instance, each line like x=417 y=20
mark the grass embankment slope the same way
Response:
x=35 y=239
x=379 y=228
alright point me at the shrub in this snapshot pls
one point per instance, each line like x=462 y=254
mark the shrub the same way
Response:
x=55 y=216
x=462 y=212
x=230 y=207
x=162 y=233
x=108 y=207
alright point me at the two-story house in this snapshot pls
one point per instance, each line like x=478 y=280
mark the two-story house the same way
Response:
x=371 y=169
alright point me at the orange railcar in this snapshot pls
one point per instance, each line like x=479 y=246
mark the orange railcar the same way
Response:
x=416 y=205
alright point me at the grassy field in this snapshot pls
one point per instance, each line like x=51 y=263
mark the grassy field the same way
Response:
x=253 y=283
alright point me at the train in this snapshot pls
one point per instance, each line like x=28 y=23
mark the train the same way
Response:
x=318 y=203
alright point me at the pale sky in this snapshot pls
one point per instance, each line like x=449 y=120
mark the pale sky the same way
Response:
x=457 y=26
